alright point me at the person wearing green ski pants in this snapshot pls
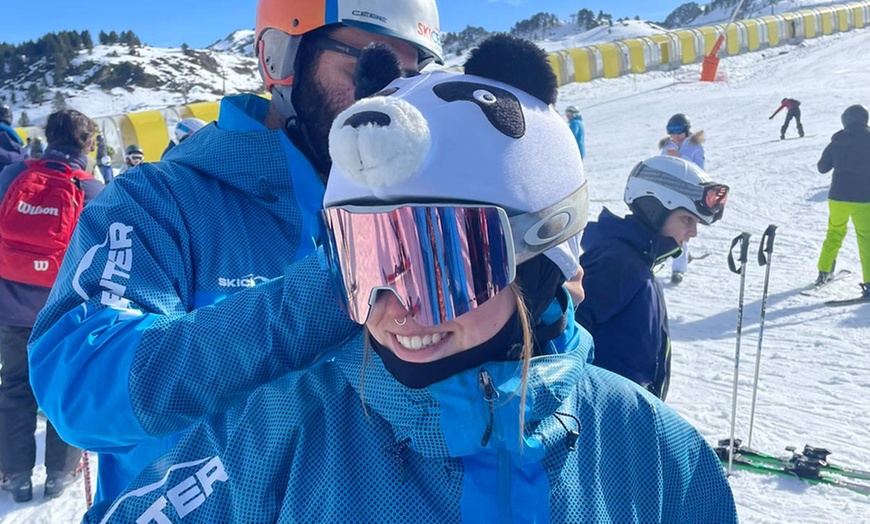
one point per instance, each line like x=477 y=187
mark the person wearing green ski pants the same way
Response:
x=848 y=155
x=838 y=222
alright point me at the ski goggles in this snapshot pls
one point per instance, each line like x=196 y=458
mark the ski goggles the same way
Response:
x=135 y=158
x=441 y=261
x=713 y=200
x=677 y=129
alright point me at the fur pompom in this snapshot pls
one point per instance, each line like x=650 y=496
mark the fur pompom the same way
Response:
x=379 y=142
x=377 y=66
x=516 y=62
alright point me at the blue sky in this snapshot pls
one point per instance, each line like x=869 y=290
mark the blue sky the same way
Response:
x=201 y=22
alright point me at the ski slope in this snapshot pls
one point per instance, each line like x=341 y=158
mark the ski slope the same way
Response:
x=815 y=369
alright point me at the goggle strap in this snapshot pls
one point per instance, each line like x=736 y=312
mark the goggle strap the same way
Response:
x=535 y=232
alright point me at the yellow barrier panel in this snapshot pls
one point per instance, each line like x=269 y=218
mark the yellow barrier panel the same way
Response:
x=556 y=65
x=22 y=132
x=687 y=42
x=584 y=67
x=664 y=47
x=148 y=130
x=636 y=55
x=610 y=53
x=205 y=111
x=753 y=34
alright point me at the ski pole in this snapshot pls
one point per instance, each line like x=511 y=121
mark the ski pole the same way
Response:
x=743 y=240
x=86 y=468
x=765 y=251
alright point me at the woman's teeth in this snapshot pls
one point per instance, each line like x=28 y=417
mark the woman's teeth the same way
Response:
x=416 y=342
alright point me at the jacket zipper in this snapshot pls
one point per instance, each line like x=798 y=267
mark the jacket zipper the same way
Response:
x=490 y=395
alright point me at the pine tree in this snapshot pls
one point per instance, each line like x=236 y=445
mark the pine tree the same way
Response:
x=87 y=41
x=34 y=93
x=59 y=102
x=113 y=37
x=104 y=38
x=23 y=119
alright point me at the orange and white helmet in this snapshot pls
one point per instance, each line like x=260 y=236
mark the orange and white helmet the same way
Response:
x=282 y=23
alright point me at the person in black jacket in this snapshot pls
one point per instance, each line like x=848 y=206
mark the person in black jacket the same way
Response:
x=624 y=308
x=848 y=155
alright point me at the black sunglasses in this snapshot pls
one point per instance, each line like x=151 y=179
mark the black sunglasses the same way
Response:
x=328 y=44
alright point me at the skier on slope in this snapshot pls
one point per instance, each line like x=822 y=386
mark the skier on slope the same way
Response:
x=682 y=143
x=446 y=417
x=794 y=111
x=625 y=309
x=848 y=155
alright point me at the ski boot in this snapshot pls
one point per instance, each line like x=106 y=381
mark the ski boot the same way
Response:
x=20 y=486
x=826 y=276
x=801 y=131
x=58 y=481
x=865 y=290
x=676 y=277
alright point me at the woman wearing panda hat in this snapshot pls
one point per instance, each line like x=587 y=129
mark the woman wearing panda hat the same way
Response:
x=451 y=219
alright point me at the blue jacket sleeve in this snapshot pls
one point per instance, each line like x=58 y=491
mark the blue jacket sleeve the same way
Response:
x=576 y=126
x=119 y=354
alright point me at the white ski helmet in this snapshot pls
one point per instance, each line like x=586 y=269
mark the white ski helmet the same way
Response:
x=674 y=183
x=281 y=24
x=450 y=138
x=187 y=127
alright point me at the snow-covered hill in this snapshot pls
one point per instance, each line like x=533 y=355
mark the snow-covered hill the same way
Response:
x=750 y=9
x=109 y=80
x=240 y=42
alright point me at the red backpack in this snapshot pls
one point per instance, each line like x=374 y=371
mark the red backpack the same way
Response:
x=37 y=218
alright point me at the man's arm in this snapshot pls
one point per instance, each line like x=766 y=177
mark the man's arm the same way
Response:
x=119 y=355
x=826 y=162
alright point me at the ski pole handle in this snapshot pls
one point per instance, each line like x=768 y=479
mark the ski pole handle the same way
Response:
x=766 y=246
x=743 y=240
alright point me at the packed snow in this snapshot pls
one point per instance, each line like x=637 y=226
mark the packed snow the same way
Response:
x=815 y=365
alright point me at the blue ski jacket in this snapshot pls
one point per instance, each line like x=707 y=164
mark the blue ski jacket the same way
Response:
x=624 y=308
x=346 y=442
x=577 y=128
x=183 y=289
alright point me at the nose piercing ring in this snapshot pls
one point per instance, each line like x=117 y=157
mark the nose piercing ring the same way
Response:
x=403 y=322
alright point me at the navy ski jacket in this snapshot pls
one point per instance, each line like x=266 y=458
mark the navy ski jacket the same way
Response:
x=848 y=155
x=10 y=150
x=624 y=308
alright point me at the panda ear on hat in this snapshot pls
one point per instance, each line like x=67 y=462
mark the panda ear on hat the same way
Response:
x=516 y=62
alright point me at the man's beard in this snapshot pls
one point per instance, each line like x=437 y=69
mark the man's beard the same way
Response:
x=317 y=108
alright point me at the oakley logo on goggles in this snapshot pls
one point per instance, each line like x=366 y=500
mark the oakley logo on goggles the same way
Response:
x=441 y=261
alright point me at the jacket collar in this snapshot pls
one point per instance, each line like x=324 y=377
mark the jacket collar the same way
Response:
x=652 y=246
x=268 y=166
x=451 y=417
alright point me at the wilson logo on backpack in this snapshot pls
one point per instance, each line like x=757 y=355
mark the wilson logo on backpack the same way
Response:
x=27 y=209
x=37 y=217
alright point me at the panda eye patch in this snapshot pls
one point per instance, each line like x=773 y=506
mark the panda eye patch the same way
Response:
x=485 y=97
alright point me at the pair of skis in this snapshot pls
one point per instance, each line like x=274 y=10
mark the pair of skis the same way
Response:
x=810 y=465
x=836 y=303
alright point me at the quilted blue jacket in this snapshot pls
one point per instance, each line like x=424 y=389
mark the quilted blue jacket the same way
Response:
x=346 y=442
x=180 y=293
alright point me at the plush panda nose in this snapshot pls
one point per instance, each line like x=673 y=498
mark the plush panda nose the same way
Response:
x=374 y=118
